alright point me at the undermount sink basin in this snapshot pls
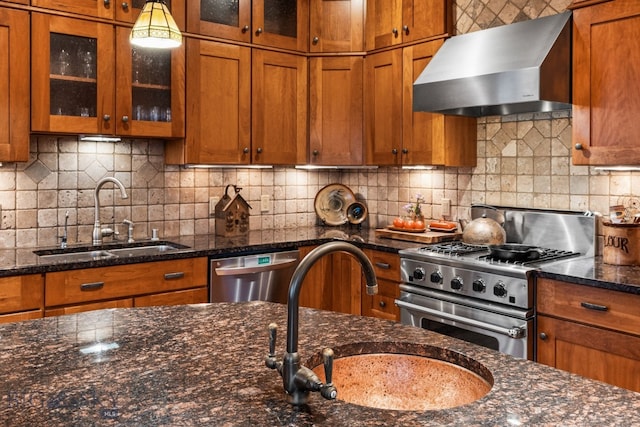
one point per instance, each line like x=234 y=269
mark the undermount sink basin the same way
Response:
x=90 y=253
x=143 y=250
x=405 y=376
x=77 y=256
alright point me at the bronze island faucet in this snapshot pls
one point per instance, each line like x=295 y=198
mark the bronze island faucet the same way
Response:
x=299 y=380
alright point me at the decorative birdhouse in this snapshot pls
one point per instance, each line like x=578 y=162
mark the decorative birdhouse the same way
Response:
x=232 y=214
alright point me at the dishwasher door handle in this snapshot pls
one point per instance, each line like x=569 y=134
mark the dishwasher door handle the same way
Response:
x=236 y=271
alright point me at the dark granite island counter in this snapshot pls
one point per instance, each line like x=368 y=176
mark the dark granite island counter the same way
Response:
x=204 y=365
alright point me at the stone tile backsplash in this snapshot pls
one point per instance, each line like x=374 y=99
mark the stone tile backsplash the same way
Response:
x=523 y=160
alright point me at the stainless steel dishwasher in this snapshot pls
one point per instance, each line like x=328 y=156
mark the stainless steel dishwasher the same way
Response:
x=255 y=277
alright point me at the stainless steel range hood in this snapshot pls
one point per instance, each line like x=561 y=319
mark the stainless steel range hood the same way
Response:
x=517 y=68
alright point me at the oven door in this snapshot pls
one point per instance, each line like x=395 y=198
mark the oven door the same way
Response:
x=503 y=329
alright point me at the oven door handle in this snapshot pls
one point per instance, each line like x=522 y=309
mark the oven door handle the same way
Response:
x=514 y=332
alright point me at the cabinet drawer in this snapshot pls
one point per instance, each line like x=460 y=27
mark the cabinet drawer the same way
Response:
x=594 y=306
x=21 y=293
x=17 y=317
x=382 y=305
x=189 y=296
x=95 y=284
x=118 y=303
x=385 y=264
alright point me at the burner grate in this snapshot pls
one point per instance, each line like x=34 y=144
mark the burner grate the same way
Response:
x=547 y=255
x=453 y=248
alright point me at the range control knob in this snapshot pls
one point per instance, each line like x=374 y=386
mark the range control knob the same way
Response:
x=479 y=286
x=436 y=277
x=419 y=274
x=456 y=283
x=500 y=290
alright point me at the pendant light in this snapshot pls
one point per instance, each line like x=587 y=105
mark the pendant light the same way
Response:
x=155 y=27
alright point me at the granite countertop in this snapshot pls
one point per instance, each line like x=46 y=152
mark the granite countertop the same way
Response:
x=204 y=365
x=590 y=271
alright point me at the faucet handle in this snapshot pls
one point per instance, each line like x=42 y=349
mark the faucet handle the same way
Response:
x=328 y=390
x=273 y=332
x=270 y=361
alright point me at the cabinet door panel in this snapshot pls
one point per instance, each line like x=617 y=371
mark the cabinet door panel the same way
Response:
x=426 y=18
x=383 y=108
x=595 y=353
x=335 y=111
x=218 y=103
x=189 y=296
x=227 y=19
x=279 y=109
x=97 y=8
x=75 y=91
x=336 y=26
x=606 y=104
x=119 y=303
x=281 y=23
x=149 y=90
x=383 y=17
x=14 y=87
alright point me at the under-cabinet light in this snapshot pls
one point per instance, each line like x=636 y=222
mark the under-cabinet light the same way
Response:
x=198 y=166
x=319 y=167
x=617 y=168
x=99 y=138
x=155 y=27
x=420 y=167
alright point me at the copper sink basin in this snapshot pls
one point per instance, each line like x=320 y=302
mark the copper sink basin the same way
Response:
x=405 y=376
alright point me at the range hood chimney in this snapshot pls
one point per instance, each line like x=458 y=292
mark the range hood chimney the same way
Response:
x=518 y=68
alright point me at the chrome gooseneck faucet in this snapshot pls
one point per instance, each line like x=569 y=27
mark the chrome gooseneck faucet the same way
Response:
x=299 y=380
x=97 y=231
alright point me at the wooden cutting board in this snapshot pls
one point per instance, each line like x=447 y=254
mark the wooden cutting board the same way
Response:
x=424 y=237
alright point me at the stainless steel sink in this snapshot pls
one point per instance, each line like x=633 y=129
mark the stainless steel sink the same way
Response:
x=143 y=250
x=77 y=256
x=89 y=253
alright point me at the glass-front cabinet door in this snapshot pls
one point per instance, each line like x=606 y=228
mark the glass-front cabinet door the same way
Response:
x=229 y=19
x=72 y=85
x=281 y=23
x=129 y=10
x=149 y=90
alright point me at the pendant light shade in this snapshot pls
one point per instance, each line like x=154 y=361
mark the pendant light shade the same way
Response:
x=155 y=27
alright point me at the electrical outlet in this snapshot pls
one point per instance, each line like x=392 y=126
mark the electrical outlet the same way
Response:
x=446 y=207
x=213 y=201
x=265 y=203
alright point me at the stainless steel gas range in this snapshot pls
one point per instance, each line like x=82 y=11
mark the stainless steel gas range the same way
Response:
x=467 y=292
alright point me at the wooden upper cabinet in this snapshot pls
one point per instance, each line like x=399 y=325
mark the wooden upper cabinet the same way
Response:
x=14 y=85
x=383 y=108
x=395 y=135
x=281 y=23
x=276 y=23
x=391 y=22
x=336 y=26
x=431 y=138
x=78 y=73
x=279 y=108
x=336 y=111
x=606 y=65
x=226 y=19
x=218 y=106
x=95 y=8
x=66 y=97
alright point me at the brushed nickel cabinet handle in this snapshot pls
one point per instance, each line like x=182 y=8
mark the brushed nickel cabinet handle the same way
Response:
x=315 y=152
x=91 y=286
x=405 y=151
x=315 y=40
x=259 y=31
x=174 y=276
x=125 y=5
x=384 y=265
x=259 y=150
x=106 y=117
x=245 y=29
x=125 y=119
x=383 y=304
x=395 y=32
x=543 y=336
x=405 y=28
x=245 y=150
x=394 y=151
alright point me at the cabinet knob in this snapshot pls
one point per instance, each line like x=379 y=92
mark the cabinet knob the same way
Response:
x=107 y=2
x=394 y=151
x=245 y=150
x=259 y=150
x=315 y=40
x=405 y=28
x=259 y=31
x=106 y=117
x=395 y=32
x=405 y=151
x=383 y=304
x=315 y=152
x=578 y=146
x=245 y=29
x=125 y=5
x=125 y=119
x=543 y=336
